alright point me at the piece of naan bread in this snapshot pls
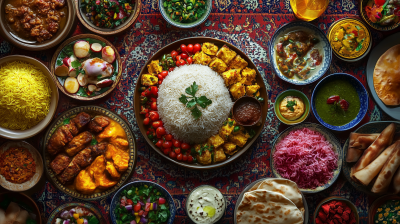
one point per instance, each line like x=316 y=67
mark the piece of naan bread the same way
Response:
x=387 y=77
x=262 y=206
x=286 y=187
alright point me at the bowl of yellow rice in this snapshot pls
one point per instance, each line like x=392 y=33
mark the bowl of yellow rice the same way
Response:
x=28 y=97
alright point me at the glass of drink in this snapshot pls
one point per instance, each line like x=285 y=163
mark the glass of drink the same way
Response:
x=308 y=10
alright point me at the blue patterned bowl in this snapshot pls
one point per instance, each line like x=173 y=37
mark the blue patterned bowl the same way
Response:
x=329 y=136
x=116 y=199
x=324 y=44
x=362 y=94
x=90 y=207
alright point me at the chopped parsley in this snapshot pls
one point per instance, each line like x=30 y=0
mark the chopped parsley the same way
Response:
x=290 y=104
x=192 y=101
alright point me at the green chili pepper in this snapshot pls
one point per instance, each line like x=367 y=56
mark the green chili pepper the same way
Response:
x=236 y=129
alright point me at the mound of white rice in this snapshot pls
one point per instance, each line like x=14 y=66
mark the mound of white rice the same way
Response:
x=178 y=119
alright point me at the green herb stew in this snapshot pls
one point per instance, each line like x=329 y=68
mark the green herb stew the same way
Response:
x=107 y=13
x=142 y=205
x=337 y=102
x=185 y=11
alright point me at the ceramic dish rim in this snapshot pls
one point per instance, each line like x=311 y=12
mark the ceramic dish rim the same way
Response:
x=333 y=127
x=339 y=152
x=300 y=119
x=250 y=185
x=272 y=55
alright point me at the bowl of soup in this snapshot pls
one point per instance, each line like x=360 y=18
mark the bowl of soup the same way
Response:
x=339 y=101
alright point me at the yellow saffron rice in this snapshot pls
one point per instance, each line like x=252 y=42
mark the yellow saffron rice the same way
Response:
x=25 y=95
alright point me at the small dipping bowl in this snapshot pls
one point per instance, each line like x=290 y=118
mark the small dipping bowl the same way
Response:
x=294 y=93
x=365 y=44
x=242 y=100
x=336 y=198
x=198 y=189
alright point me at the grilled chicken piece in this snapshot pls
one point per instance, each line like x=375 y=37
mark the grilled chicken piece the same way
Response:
x=84 y=182
x=81 y=120
x=69 y=173
x=83 y=158
x=60 y=163
x=98 y=169
x=112 y=171
x=98 y=149
x=120 y=157
x=61 y=137
x=78 y=143
x=98 y=124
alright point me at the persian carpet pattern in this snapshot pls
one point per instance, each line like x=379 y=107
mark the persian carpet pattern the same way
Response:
x=249 y=25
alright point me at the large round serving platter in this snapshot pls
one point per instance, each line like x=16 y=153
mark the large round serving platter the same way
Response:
x=193 y=40
x=58 y=55
x=308 y=27
x=329 y=136
x=368 y=128
x=376 y=53
x=90 y=207
x=92 y=110
x=306 y=212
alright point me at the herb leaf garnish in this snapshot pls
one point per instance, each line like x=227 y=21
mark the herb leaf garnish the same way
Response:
x=290 y=104
x=192 y=101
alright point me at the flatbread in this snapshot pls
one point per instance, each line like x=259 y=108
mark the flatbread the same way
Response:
x=262 y=206
x=386 y=77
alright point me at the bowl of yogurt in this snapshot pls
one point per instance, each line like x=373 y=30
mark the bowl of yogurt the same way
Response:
x=205 y=205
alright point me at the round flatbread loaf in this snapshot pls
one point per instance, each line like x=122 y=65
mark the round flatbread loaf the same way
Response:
x=387 y=77
x=286 y=187
x=262 y=206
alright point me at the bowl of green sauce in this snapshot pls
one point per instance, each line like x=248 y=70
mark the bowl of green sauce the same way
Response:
x=185 y=13
x=339 y=101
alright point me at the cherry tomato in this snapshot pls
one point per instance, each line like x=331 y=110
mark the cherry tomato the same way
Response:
x=157 y=124
x=146 y=121
x=129 y=201
x=160 y=131
x=172 y=155
x=164 y=74
x=182 y=62
x=184 y=55
x=154 y=90
x=174 y=54
x=196 y=48
x=189 y=60
x=160 y=78
x=161 y=201
x=177 y=150
x=153 y=106
x=184 y=157
x=177 y=63
x=178 y=58
x=190 y=48
x=137 y=207
x=147 y=132
x=159 y=142
x=170 y=69
x=179 y=157
x=177 y=143
x=185 y=146
x=154 y=116
x=167 y=151
x=183 y=48
x=190 y=159
x=168 y=137
x=167 y=144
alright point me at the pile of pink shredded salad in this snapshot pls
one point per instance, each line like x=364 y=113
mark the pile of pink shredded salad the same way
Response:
x=305 y=157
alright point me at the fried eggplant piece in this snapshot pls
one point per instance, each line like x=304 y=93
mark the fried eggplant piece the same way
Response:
x=61 y=137
x=78 y=143
x=60 y=163
x=83 y=158
x=98 y=149
x=81 y=120
x=69 y=173
x=98 y=124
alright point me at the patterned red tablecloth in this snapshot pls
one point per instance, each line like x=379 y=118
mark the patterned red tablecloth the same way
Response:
x=249 y=25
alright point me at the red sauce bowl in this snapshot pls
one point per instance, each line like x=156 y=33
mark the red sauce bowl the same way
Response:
x=244 y=100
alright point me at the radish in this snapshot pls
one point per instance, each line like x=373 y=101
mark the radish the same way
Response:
x=105 y=83
x=71 y=85
x=72 y=72
x=96 y=47
x=82 y=80
x=67 y=61
x=81 y=48
x=61 y=70
x=108 y=54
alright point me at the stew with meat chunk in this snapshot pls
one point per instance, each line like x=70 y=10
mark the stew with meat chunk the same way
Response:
x=35 y=20
x=297 y=55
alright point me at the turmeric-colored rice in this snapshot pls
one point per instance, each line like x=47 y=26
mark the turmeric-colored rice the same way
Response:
x=25 y=95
